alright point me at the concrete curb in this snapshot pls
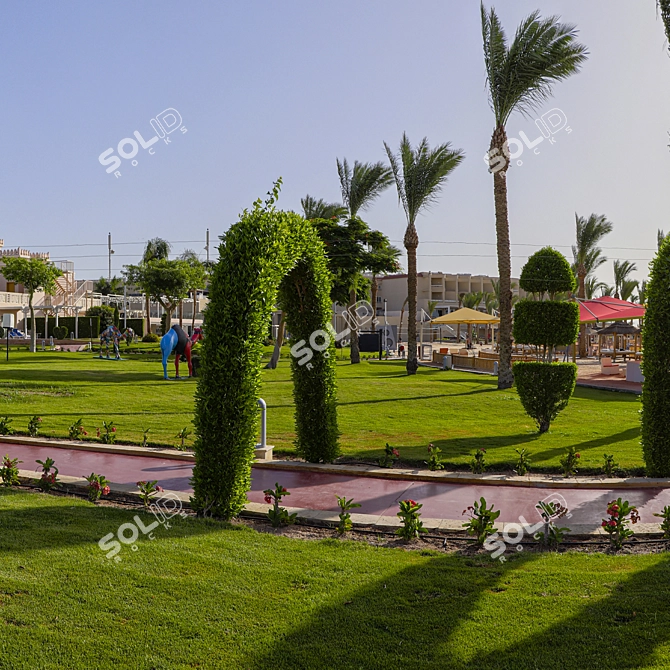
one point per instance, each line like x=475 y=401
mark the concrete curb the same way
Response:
x=329 y=519
x=409 y=474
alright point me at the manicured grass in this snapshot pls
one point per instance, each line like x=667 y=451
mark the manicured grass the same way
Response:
x=457 y=411
x=206 y=595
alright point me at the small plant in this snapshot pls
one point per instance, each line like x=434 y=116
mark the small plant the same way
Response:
x=665 y=524
x=609 y=466
x=48 y=479
x=9 y=472
x=569 y=462
x=481 y=521
x=76 y=430
x=97 y=486
x=4 y=426
x=278 y=516
x=148 y=490
x=151 y=337
x=434 y=461
x=478 y=462
x=108 y=433
x=182 y=435
x=617 y=524
x=552 y=535
x=409 y=515
x=390 y=456
x=345 y=517
x=34 y=425
x=145 y=436
x=523 y=462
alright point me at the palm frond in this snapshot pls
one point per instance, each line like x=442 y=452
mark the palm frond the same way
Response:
x=362 y=185
x=320 y=209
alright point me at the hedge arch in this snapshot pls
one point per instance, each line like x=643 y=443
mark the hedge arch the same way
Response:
x=267 y=256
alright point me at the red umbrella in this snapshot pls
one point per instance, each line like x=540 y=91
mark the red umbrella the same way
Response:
x=609 y=309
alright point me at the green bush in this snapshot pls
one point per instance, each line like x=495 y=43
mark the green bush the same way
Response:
x=547 y=271
x=60 y=332
x=136 y=324
x=548 y=323
x=151 y=337
x=544 y=389
x=656 y=367
x=266 y=253
x=106 y=314
x=116 y=316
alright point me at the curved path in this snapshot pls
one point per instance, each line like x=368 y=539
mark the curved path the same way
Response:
x=317 y=490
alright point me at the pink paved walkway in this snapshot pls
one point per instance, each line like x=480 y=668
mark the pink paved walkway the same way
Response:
x=314 y=490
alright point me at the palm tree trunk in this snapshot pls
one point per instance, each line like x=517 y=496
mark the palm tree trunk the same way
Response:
x=373 y=299
x=355 y=355
x=33 y=331
x=582 y=327
x=505 y=375
x=411 y=242
x=278 y=344
x=181 y=313
x=195 y=293
x=147 y=325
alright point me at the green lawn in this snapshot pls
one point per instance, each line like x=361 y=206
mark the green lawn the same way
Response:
x=457 y=411
x=205 y=595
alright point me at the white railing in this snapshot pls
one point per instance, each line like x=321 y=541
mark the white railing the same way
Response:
x=13 y=298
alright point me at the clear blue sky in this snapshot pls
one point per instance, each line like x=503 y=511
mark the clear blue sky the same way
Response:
x=283 y=88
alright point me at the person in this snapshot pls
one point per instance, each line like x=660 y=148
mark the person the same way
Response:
x=468 y=341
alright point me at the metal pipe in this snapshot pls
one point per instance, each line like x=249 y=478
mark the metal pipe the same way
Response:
x=264 y=410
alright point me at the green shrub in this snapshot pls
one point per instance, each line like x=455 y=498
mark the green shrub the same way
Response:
x=547 y=271
x=544 y=389
x=89 y=327
x=151 y=337
x=106 y=314
x=60 y=332
x=267 y=254
x=116 y=316
x=547 y=323
x=655 y=366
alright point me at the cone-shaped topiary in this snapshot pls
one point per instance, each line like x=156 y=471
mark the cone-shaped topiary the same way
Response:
x=545 y=387
x=656 y=367
x=268 y=253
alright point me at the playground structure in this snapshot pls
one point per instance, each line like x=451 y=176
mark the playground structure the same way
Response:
x=112 y=335
x=177 y=341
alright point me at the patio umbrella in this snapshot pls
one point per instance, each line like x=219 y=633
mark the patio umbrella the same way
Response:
x=609 y=309
x=466 y=315
x=619 y=328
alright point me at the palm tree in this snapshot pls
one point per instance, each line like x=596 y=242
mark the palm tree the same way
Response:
x=623 y=285
x=320 y=209
x=520 y=77
x=106 y=286
x=360 y=187
x=591 y=285
x=587 y=258
x=156 y=249
x=472 y=300
x=419 y=174
x=607 y=291
x=198 y=278
x=660 y=237
x=642 y=292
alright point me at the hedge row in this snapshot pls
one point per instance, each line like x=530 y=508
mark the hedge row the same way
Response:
x=87 y=324
x=546 y=323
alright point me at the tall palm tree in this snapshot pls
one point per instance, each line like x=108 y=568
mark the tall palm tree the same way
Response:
x=360 y=186
x=587 y=258
x=320 y=209
x=472 y=300
x=591 y=285
x=420 y=173
x=156 y=249
x=622 y=281
x=520 y=77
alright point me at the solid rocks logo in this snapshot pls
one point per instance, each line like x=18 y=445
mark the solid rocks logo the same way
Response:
x=128 y=149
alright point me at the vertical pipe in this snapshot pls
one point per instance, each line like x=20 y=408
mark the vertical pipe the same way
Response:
x=264 y=408
x=109 y=256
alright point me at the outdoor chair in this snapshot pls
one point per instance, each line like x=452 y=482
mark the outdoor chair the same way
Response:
x=607 y=367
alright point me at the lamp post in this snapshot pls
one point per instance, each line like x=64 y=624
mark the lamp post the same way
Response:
x=76 y=322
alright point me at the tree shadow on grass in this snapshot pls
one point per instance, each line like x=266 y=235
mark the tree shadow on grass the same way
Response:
x=597 y=443
x=464 y=446
x=412 y=620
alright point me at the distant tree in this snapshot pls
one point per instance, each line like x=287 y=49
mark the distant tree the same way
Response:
x=106 y=313
x=107 y=286
x=420 y=174
x=34 y=274
x=623 y=285
x=591 y=285
x=382 y=258
x=155 y=249
x=198 y=278
x=660 y=236
x=320 y=209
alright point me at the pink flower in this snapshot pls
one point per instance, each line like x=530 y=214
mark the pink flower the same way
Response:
x=113 y=429
x=160 y=489
x=396 y=452
x=105 y=490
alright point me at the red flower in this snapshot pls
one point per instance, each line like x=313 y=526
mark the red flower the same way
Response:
x=283 y=490
x=160 y=489
x=113 y=429
x=105 y=490
x=611 y=523
x=97 y=430
x=604 y=523
x=578 y=455
x=141 y=483
x=268 y=500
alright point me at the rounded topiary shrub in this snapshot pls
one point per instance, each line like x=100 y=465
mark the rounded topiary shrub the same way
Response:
x=548 y=323
x=547 y=271
x=656 y=367
x=544 y=389
x=151 y=337
x=60 y=332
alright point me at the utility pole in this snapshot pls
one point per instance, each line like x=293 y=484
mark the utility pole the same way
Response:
x=110 y=251
x=207 y=247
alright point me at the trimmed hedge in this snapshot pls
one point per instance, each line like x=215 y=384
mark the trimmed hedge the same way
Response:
x=547 y=271
x=546 y=323
x=544 y=389
x=656 y=367
x=266 y=253
x=85 y=327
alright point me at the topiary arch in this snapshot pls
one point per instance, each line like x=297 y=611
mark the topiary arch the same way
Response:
x=267 y=255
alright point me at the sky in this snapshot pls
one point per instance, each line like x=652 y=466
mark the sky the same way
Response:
x=268 y=89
